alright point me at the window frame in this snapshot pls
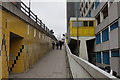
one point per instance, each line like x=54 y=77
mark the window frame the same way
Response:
x=98 y=39
x=75 y=25
x=111 y=26
x=87 y=24
x=113 y=54
x=105 y=37
x=92 y=23
x=98 y=57
x=104 y=57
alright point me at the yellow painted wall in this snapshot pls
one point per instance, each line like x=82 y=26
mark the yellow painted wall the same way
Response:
x=0 y=44
x=16 y=45
x=82 y=31
x=34 y=46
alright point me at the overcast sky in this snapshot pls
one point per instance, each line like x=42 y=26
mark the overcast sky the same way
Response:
x=52 y=13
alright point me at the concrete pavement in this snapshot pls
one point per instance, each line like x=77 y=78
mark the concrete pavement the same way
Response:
x=52 y=65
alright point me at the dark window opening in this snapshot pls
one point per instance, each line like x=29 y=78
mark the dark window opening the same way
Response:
x=114 y=26
x=106 y=57
x=98 y=19
x=91 y=23
x=105 y=12
x=105 y=35
x=98 y=39
x=85 y=23
x=115 y=53
x=98 y=57
x=86 y=5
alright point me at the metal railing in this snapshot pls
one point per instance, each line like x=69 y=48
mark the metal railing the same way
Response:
x=34 y=17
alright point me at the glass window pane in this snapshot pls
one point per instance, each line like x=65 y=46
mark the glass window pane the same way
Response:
x=91 y=23
x=98 y=39
x=114 y=26
x=106 y=58
x=105 y=35
x=115 y=53
x=98 y=57
x=74 y=24
x=85 y=23
x=79 y=24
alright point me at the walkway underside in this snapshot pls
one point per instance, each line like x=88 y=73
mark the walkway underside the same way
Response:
x=52 y=65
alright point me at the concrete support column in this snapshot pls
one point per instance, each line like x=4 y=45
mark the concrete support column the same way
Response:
x=83 y=50
x=83 y=53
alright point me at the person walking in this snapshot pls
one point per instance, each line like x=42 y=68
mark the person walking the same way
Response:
x=53 y=45
x=61 y=43
x=57 y=45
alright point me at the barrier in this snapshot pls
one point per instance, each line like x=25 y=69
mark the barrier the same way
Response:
x=83 y=69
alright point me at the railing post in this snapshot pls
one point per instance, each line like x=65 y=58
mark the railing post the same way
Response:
x=40 y=23
x=36 y=18
x=29 y=12
x=44 y=26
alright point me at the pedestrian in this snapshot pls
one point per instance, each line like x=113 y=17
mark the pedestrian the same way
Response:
x=53 y=44
x=57 y=45
x=61 y=43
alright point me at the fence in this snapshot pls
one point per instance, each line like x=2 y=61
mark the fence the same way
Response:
x=34 y=17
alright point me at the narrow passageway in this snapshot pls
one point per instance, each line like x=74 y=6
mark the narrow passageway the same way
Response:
x=52 y=65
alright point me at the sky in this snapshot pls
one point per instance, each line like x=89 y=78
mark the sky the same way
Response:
x=52 y=13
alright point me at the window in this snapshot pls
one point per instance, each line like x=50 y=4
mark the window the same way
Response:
x=91 y=23
x=82 y=5
x=98 y=19
x=85 y=23
x=105 y=35
x=86 y=6
x=98 y=39
x=89 y=14
x=84 y=10
x=114 y=26
x=106 y=57
x=105 y=12
x=98 y=57
x=92 y=6
x=74 y=24
x=97 y=3
x=115 y=53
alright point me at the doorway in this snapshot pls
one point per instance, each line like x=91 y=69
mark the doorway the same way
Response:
x=16 y=60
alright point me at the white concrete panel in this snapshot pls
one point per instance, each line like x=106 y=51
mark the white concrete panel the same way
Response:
x=92 y=70
x=114 y=39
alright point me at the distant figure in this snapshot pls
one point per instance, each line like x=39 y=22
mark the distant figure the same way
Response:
x=53 y=44
x=57 y=44
x=61 y=43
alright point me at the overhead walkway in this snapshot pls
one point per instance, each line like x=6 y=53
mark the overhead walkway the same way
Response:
x=63 y=64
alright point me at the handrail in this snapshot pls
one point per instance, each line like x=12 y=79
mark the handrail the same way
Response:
x=34 y=17
x=93 y=70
